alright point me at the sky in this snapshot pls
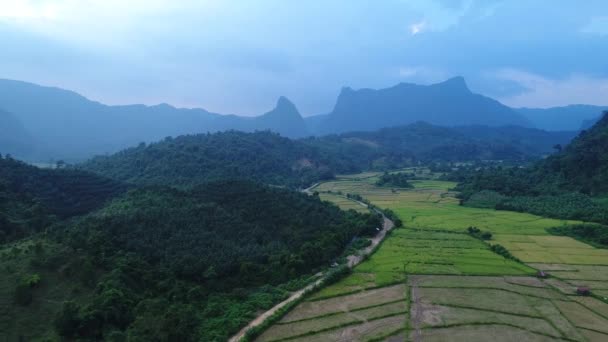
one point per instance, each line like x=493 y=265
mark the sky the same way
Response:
x=238 y=57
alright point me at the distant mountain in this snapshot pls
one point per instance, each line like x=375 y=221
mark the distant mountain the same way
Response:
x=284 y=118
x=568 y=118
x=70 y=126
x=449 y=103
x=14 y=139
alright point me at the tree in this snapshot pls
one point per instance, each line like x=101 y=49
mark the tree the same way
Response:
x=68 y=321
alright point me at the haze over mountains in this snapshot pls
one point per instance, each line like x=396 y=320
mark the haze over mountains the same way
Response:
x=42 y=123
x=448 y=103
x=565 y=118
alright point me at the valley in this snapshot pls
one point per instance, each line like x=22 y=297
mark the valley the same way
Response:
x=430 y=279
x=308 y=171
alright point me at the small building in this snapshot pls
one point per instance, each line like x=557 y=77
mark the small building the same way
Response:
x=542 y=274
x=583 y=291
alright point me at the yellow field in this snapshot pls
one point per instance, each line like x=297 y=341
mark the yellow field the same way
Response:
x=552 y=249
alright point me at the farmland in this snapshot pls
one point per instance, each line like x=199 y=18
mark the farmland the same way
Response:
x=431 y=281
x=343 y=202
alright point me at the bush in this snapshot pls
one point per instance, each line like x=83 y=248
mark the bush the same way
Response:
x=500 y=249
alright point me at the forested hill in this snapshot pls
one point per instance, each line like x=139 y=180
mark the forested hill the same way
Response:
x=564 y=185
x=583 y=164
x=162 y=264
x=195 y=159
x=269 y=158
x=396 y=146
x=62 y=192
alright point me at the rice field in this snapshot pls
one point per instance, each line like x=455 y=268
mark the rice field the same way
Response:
x=431 y=205
x=430 y=281
x=343 y=202
x=552 y=249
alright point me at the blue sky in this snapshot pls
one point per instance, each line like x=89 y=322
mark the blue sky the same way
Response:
x=240 y=56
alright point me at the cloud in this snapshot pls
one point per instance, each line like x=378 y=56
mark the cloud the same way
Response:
x=417 y=27
x=24 y=9
x=547 y=92
x=238 y=56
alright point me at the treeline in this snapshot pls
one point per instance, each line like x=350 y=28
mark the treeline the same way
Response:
x=396 y=179
x=590 y=233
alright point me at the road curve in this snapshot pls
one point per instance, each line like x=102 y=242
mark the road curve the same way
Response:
x=352 y=261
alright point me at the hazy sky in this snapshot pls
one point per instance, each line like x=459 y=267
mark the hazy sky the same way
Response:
x=239 y=56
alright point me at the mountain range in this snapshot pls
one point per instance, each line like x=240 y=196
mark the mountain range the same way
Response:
x=448 y=103
x=41 y=123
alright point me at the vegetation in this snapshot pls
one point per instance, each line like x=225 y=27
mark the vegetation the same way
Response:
x=397 y=147
x=590 y=233
x=269 y=158
x=477 y=233
x=32 y=198
x=562 y=186
x=168 y=264
x=195 y=159
x=499 y=249
x=397 y=180
x=457 y=285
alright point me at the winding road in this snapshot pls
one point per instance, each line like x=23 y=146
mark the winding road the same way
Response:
x=352 y=261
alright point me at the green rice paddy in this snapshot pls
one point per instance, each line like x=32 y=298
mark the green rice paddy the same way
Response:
x=455 y=287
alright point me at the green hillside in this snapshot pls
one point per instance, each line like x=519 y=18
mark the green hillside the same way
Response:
x=195 y=159
x=570 y=184
x=164 y=264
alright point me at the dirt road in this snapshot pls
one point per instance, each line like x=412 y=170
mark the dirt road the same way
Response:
x=352 y=261
x=261 y=318
x=417 y=308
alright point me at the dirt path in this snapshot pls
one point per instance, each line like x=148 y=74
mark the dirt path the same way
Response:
x=417 y=319
x=261 y=318
x=352 y=261
x=308 y=190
